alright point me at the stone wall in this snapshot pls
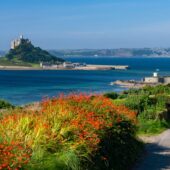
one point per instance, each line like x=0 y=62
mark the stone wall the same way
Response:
x=151 y=79
x=167 y=80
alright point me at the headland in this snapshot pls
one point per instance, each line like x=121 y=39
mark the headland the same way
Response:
x=146 y=81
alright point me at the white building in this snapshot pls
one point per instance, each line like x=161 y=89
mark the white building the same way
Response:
x=68 y=65
x=157 y=79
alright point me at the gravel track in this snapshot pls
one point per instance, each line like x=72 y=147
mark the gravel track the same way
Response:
x=157 y=153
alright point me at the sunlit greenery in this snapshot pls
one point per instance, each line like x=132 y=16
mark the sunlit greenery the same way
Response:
x=76 y=132
x=150 y=104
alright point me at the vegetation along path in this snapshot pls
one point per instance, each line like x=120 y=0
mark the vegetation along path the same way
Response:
x=157 y=153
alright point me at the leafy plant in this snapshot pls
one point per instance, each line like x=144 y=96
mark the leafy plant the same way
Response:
x=111 y=95
x=150 y=104
x=4 y=104
x=71 y=132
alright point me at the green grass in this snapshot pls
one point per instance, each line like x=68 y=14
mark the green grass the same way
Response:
x=152 y=127
x=5 y=62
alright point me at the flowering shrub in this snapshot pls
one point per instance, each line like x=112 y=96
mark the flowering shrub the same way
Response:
x=13 y=155
x=66 y=132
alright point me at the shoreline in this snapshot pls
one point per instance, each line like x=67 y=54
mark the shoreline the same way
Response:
x=87 y=67
x=132 y=84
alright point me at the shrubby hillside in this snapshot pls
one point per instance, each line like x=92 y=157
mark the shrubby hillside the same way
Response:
x=150 y=103
x=27 y=53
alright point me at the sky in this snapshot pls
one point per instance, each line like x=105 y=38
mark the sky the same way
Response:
x=82 y=24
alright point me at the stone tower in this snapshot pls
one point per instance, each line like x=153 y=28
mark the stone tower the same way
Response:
x=17 y=42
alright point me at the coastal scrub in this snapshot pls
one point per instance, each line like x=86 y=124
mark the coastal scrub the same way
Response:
x=69 y=132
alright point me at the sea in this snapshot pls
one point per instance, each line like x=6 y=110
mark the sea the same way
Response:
x=24 y=87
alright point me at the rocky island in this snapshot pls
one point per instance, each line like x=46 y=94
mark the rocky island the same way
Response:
x=23 y=54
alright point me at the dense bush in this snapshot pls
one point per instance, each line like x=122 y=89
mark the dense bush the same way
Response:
x=150 y=104
x=111 y=95
x=4 y=104
x=122 y=96
x=115 y=153
x=138 y=102
x=74 y=132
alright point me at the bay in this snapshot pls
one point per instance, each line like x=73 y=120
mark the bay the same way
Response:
x=22 y=87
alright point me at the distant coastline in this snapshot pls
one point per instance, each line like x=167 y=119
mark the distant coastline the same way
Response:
x=121 y=52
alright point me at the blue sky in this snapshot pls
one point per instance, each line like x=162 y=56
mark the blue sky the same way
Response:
x=75 y=24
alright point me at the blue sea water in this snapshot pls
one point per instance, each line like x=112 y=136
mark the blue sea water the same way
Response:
x=22 y=87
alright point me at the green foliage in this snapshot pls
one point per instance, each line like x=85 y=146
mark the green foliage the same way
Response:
x=152 y=126
x=114 y=158
x=5 y=62
x=5 y=105
x=123 y=96
x=26 y=52
x=137 y=102
x=150 y=104
x=64 y=160
x=76 y=132
x=111 y=95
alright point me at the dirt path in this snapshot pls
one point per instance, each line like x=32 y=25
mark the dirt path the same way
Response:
x=157 y=155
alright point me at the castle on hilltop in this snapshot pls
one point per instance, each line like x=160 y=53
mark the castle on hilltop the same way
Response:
x=19 y=41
